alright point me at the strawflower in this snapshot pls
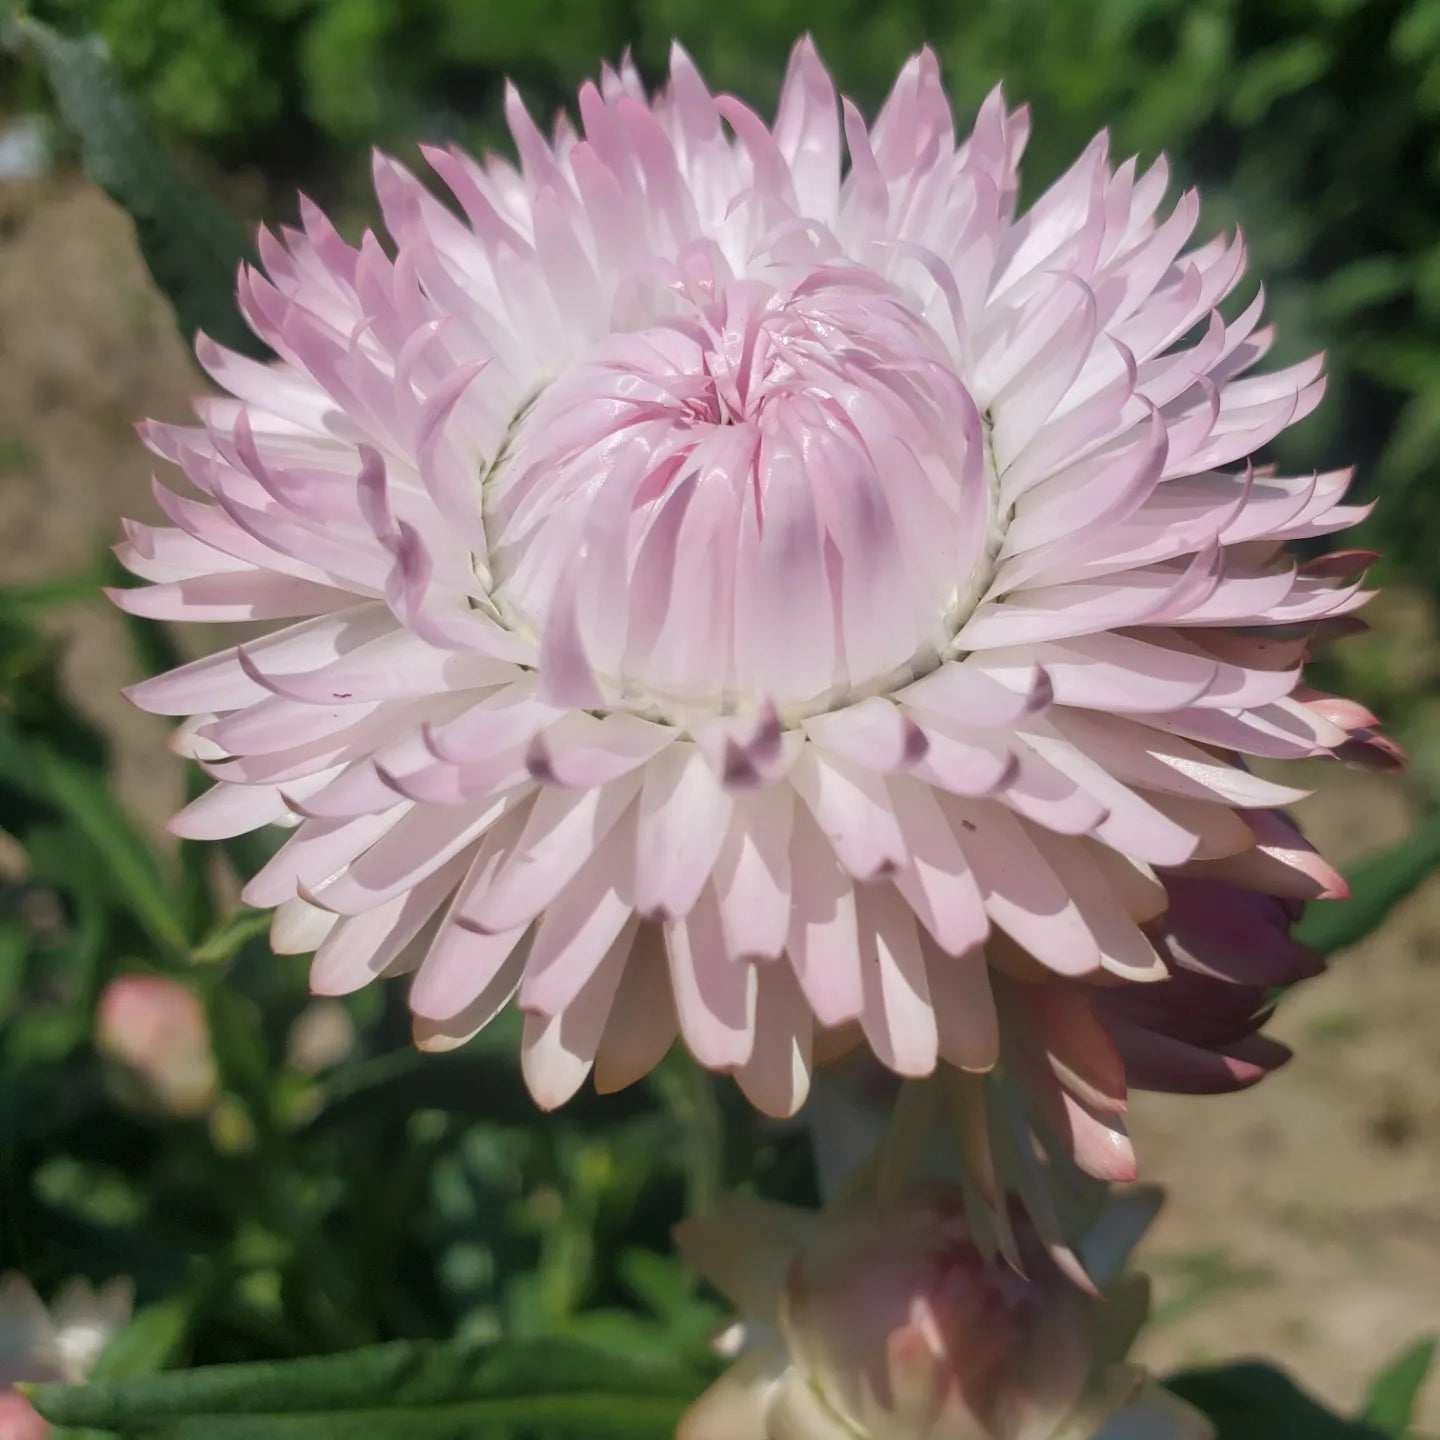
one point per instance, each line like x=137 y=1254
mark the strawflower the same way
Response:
x=720 y=588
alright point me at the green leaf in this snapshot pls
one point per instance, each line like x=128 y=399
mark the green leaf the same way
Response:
x=191 y=245
x=664 y=1285
x=402 y=1391
x=80 y=794
x=1394 y=1392
x=1271 y=75
x=66 y=1433
x=69 y=589
x=48 y=1035
x=1192 y=1278
x=238 y=1040
x=1377 y=886
x=1251 y=1401
x=1365 y=285
x=14 y=951
x=599 y=1416
x=151 y=1341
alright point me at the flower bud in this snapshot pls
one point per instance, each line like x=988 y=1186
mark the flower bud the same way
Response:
x=907 y=1333
x=870 y=1324
x=19 y=1419
x=322 y=1036
x=157 y=1028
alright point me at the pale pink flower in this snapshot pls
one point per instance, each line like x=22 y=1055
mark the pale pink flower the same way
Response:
x=863 y=1324
x=157 y=1029
x=734 y=592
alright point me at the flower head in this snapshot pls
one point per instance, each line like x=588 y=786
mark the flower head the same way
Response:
x=720 y=589
x=157 y=1029
x=868 y=1325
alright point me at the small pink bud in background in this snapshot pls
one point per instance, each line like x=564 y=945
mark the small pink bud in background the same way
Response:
x=157 y=1028
x=322 y=1036
x=19 y=1420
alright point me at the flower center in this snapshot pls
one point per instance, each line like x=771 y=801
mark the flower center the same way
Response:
x=770 y=491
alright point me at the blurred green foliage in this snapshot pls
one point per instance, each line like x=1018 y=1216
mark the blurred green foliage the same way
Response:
x=1317 y=122
x=404 y=1391
x=188 y=239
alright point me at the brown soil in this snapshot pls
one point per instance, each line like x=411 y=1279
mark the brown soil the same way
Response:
x=1304 y=1217
x=1304 y=1222
x=87 y=348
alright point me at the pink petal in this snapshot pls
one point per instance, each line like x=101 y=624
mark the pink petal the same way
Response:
x=463 y=960
x=563 y=830
x=361 y=947
x=852 y=808
x=967 y=1027
x=1023 y=893
x=938 y=883
x=680 y=827
x=642 y=1025
x=558 y=1051
x=776 y=1078
x=714 y=995
x=897 y=1015
x=824 y=946
x=752 y=874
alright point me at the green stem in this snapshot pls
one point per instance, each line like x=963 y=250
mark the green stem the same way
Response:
x=688 y=1092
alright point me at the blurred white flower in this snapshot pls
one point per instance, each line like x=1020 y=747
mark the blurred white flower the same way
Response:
x=56 y=1345
x=26 y=153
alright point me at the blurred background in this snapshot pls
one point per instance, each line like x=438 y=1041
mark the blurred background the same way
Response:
x=1305 y=1218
